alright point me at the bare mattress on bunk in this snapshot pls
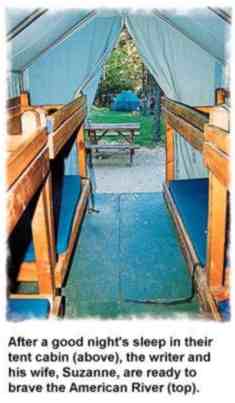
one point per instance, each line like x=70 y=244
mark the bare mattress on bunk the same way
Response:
x=191 y=199
x=20 y=241
x=70 y=195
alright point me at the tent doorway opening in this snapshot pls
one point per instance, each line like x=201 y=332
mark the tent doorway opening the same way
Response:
x=127 y=95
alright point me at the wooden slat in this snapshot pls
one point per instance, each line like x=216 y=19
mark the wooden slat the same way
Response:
x=24 y=101
x=219 y=137
x=27 y=272
x=205 y=109
x=49 y=106
x=21 y=100
x=206 y=298
x=15 y=107
x=112 y=126
x=13 y=102
x=60 y=137
x=218 y=163
x=111 y=146
x=14 y=126
x=64 y=113
x=220 y=95
x=189 y=114
x=20 y=194
x=81 y=152
x=190 y=255
x=44 y=240
x=216 y=232
x=170 y=159
x=192 y=134
x=114 y=134
x=21 y=150
x=14 y=111
x=56 y=307
x=221 y=293
x=48 y=190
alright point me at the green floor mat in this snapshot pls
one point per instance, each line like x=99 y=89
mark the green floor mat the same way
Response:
x=129 y=250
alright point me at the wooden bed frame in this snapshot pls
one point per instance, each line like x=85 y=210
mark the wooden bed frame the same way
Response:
x=216 y=154
x=27 y=166
x=62 y=122
x=28 y=175
x=15 y=108
x=194 y=124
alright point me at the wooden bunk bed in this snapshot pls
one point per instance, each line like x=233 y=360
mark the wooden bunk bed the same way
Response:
x=64 y=125
x=216 y=154
x=15 y=108
x=28 y=183
x=200 y=206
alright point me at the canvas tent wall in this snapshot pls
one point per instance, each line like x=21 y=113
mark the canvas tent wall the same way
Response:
x=184 y=51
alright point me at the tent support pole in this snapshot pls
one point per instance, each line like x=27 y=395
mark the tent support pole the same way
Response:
x=81 y=152
x=170 y=158
x=216 y=234
x=26 y=23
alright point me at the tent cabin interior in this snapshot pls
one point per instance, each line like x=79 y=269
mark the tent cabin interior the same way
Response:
x=47 y=200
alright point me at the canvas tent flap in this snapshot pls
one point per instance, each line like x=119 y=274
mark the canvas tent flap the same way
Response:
x=61 y=53
x=80 y=58
x=202 y=26
x=42 y=33
x=184 y=71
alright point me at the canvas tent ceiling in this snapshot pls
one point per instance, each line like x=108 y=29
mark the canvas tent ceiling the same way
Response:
x=61 y=52
x=29 y=44
x=204 y=27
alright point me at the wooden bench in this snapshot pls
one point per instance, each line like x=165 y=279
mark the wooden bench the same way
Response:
x=124 y=131
x=110 y=147
x=97 y=131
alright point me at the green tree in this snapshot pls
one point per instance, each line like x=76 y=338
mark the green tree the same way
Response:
x=123 y=70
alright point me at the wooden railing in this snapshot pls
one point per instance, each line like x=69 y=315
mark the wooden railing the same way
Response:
x=188 y=122
x=216 y=155
x=197 y=126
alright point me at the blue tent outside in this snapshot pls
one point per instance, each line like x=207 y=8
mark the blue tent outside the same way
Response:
x=126 y=101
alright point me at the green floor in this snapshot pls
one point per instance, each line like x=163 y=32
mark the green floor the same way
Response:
x=128 y=252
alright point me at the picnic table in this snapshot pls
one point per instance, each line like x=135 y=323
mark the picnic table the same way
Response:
x=98 y=131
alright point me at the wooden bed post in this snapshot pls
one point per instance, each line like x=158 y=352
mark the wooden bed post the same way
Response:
x=220 y=96
x=81 y=152
x=44 y=239
x=170 y=158
x=24 y=100
x=216 y=234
